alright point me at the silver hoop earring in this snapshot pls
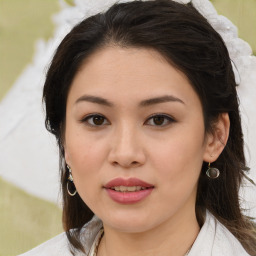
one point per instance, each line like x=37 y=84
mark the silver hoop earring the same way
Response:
x=71 y=180
x=212 y=173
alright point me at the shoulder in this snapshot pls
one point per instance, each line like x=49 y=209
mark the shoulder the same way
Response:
x=59 y=245
x=226 y=243
x=216 y=240
x=55 y=246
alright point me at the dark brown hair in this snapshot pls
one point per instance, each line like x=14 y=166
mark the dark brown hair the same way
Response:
x=187 y=41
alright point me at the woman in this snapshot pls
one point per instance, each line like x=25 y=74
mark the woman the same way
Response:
x=142 y=100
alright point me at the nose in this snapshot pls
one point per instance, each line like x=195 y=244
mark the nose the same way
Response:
x=126 y=149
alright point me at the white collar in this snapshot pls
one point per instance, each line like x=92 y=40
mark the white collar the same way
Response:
x=214 y=239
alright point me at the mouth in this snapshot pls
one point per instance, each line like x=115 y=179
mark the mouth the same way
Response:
x=128 y=185
x=128 y=191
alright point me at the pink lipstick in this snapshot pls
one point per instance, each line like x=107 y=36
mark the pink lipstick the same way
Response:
x=128 y=191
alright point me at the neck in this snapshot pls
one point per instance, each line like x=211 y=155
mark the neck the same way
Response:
x=173 y=237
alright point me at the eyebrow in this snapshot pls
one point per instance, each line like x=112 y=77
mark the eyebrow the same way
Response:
x=94 y=99
x=162 y=99
x=144 y=103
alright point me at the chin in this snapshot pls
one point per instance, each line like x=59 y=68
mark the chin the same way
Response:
x=128 y=228
x=129 y=223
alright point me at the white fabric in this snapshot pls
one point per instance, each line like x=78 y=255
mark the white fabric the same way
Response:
x=95 y=245
x=214 y=239
x=59 y=245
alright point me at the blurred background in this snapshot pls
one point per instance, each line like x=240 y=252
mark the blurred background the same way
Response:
x=30 y=215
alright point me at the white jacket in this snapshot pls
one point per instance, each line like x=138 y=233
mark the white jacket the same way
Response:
x=214 y=239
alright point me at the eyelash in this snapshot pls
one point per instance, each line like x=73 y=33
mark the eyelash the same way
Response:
x=167 y=119
x=91 y=116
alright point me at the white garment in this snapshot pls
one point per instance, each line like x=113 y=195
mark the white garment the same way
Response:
x=214 y=239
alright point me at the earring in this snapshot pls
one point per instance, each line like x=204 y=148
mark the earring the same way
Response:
x=212 y=173
x=70 y=178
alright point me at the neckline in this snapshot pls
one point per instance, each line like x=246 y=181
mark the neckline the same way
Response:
x=95 y=245
x=94 y=248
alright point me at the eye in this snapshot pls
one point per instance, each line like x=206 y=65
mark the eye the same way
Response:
x=95 y=120
x=159 y=120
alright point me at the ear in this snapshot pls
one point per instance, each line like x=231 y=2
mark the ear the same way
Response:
x=66 y=152
x=66 y=155
x=66 y=158
x=63 y=141
x=217 y=139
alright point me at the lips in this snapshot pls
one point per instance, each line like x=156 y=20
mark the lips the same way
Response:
x=128 y=191
x=131 y=182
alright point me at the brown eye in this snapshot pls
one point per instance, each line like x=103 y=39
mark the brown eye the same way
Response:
x=95 y=120
x=160 y=120
x=98 y=120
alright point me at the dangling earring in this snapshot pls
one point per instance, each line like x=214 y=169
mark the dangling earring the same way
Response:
x=212 y=173
x=70 y=178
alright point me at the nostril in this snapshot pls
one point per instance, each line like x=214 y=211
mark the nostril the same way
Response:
x=127 y=164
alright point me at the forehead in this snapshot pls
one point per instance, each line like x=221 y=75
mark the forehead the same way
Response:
x=120 y=73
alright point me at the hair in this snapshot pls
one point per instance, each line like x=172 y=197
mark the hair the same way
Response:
x=188 y=42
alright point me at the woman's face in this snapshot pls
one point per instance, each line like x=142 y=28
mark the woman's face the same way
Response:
x=134 y=138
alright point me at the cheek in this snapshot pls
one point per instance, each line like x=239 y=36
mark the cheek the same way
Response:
x=86 y=165
x=77 y=151
x=178 y=164
x=84 y=157
x=87 y=155
x=180 y=157
x=81 y=148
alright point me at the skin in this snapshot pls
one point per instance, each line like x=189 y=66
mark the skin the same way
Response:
x=167 y=152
